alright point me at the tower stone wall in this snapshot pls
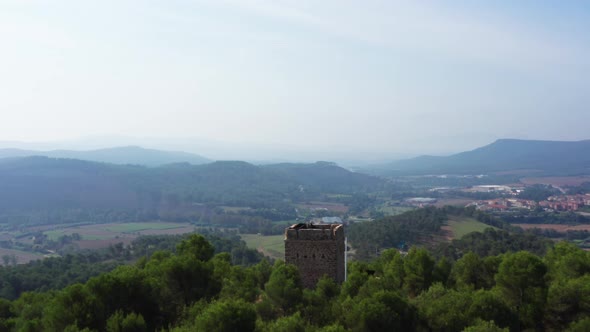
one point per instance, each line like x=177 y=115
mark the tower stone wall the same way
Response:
x=316 y=250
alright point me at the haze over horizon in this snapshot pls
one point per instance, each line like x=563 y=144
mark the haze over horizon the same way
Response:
x=273 y=79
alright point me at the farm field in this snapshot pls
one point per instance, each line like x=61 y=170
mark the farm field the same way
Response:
x=460 y=226
x=22 y=257
x=96 y=236
x=270 y=245
x=142 y=226
x=113 y=230
x=334 y=207
x=103 y=235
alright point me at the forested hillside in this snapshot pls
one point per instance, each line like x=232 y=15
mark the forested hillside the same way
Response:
x=195 y=290
x=39 y=189
x=327 y=177
x=544 y=157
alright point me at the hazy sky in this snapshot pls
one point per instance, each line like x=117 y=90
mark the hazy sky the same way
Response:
x=373 y=77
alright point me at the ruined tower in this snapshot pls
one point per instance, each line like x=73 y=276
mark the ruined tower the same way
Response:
x=316 y=250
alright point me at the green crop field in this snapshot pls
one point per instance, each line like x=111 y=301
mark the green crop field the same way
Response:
x=464 y=225
x=141 y=226
x=395 y=210
x=270 y=245
x=54 y=235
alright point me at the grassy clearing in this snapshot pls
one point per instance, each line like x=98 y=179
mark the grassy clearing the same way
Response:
x=54 y=235
x=464 y=225
x=271 y=245
x=141 y=226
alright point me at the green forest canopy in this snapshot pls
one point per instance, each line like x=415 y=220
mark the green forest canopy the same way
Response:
x=197 y=290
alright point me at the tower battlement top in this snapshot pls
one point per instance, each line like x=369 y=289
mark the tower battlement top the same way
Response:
x=311 y=232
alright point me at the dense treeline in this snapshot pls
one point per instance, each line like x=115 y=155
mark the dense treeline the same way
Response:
x=542 y=217
x=51 y=273
x=583 y=188
x=368 y=238
x=419 y=226
x=327 y=177
x=538 y=192
x=493 y=242
x=227 y=241
x=59 y=272
x=568 y=235
x=195 y=290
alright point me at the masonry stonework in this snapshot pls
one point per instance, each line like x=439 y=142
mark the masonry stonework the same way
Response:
x=316 y=250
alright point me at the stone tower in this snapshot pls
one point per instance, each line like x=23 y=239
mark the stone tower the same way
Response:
x=316 y=250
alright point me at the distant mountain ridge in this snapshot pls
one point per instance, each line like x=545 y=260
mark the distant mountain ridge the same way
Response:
x=550 y=157
x=134 y=155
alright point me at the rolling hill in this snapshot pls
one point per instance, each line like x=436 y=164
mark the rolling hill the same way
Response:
x=49 y=184
x=547 y=157
x=134 y=155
